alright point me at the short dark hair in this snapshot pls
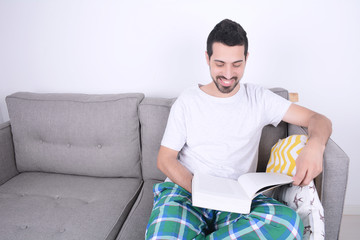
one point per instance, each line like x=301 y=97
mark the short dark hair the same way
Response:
x=229 y=33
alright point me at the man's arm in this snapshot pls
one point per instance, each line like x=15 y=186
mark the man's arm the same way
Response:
x=309 y=162
x=168 y=163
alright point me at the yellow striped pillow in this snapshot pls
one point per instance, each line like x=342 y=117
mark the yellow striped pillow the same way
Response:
x=284 y=153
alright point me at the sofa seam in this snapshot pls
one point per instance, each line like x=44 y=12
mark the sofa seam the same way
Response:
x=6 y=124
x=133 y=197
x=140 y=129
x=133 y=209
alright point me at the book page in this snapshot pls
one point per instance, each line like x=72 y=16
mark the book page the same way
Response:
x=218 y=193
x=252 y=182
x=212 y=185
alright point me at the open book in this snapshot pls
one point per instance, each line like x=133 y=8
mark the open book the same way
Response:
x=231 y=195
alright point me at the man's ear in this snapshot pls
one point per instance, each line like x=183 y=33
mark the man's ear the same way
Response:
x=247 y=56
x=207 y=58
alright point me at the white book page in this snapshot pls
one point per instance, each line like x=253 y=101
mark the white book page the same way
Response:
x=252 y=182
x=217 y=186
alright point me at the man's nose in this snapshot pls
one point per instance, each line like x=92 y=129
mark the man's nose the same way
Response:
x=228 y=72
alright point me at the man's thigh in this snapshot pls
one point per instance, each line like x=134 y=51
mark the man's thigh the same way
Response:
x=268 y=219
x=173 y=216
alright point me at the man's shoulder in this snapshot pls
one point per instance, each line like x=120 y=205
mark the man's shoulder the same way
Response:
x=189 y=93
x=185 y=98
x=252 y=90
x=251 y=87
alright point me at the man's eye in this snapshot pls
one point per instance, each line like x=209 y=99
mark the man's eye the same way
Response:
x=237 y=65
x=219 y=65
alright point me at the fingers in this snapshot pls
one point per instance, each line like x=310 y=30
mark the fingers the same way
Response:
x=308 y=166
x=298 y=178
x=307 y=179
x=303 y=178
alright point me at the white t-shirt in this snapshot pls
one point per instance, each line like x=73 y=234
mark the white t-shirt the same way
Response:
x=221 y=135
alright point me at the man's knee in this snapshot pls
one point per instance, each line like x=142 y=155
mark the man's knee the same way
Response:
x=280 y=220
x=173 y=215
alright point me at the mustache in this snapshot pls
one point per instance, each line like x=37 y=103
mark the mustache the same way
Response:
x=233 y=78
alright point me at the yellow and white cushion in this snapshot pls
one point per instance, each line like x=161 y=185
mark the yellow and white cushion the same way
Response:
x=304 y=200
x=284 y=154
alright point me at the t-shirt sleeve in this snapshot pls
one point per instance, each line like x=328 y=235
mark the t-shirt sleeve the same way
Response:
x=175 y=131
x=275 y=107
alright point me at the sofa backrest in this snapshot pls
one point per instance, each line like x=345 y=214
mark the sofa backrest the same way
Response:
x=92 y=135
x=270 y=135
x=153 y=114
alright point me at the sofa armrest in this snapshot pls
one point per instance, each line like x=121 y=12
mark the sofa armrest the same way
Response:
x=7 y=156
x=333 y=182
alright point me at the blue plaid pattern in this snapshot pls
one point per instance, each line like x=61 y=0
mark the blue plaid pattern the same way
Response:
x=174 y=217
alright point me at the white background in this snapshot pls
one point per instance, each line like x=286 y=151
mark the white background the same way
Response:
x=158 y=48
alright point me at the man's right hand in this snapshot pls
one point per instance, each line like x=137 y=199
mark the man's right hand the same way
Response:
x=168 y=163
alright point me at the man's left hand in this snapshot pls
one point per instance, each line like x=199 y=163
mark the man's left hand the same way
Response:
x=309 y=163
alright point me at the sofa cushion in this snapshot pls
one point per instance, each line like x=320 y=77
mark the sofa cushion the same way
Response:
x=303 y=199
x=57 y=206
x=93 y=135
x=135 y=225
x=153 y=114
x=284 y=154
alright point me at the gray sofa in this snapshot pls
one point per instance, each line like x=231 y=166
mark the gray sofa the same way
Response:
x=77 y=166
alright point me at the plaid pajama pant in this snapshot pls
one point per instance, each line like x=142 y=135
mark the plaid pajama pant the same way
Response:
x=174 y=217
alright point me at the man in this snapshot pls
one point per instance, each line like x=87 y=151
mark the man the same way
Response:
x=216 y=128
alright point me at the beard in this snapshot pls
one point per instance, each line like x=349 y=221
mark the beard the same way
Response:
x=225 y=89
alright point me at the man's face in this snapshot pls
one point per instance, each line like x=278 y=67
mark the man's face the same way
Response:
x=227 y=65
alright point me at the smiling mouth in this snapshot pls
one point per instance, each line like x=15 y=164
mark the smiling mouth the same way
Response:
x=226 y=82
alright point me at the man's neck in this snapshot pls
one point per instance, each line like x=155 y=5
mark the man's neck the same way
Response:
x=212 y=90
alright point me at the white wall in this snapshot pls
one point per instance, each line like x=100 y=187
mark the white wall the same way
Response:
x=157 y=47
